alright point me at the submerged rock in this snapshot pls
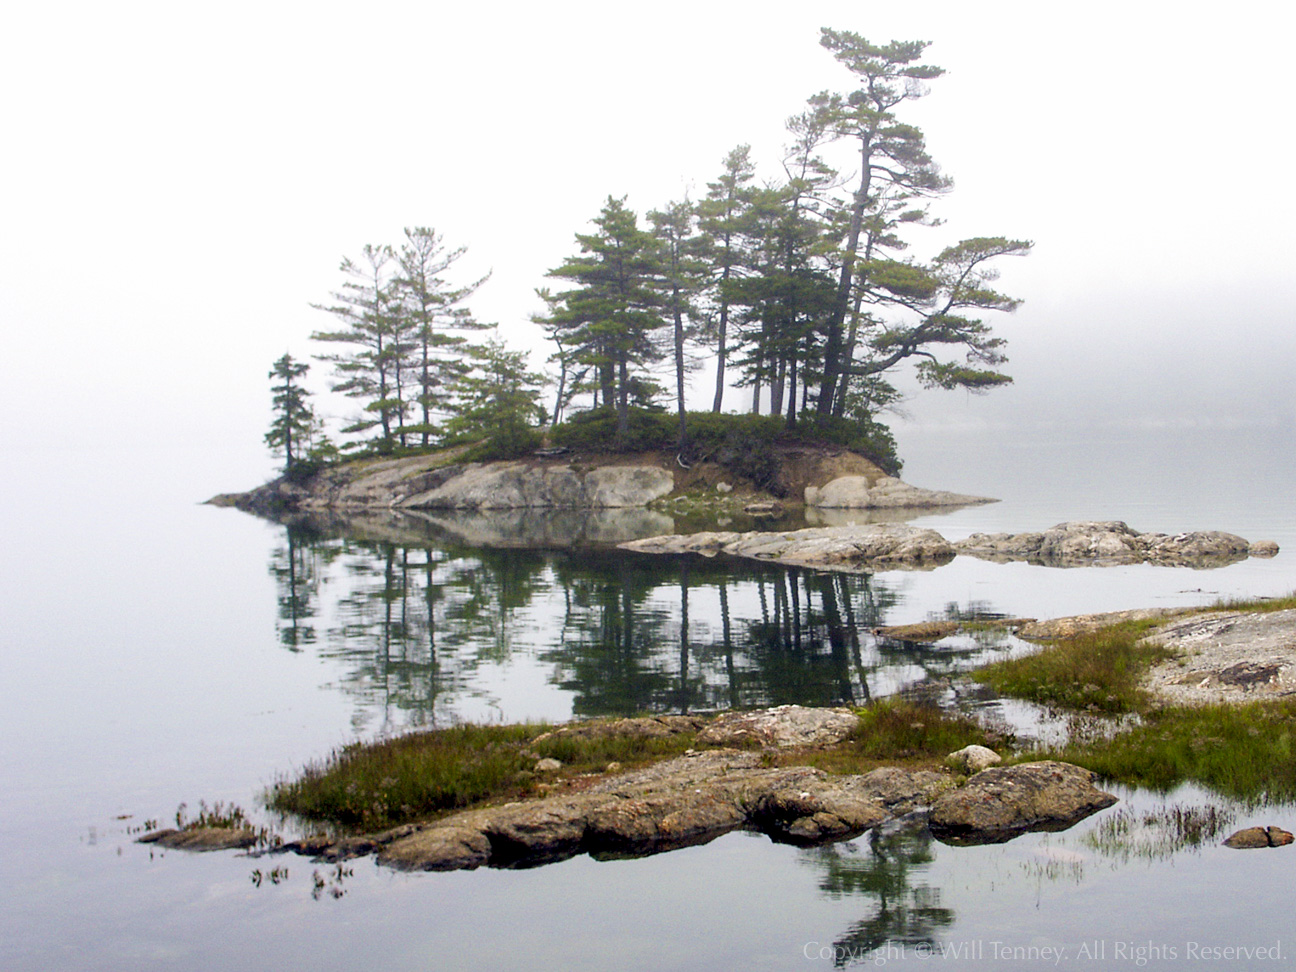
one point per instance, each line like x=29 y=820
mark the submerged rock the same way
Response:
x=861 y=547
x=1252 y=837
x=999 y=803
x=202 y=838
x=1091 y=542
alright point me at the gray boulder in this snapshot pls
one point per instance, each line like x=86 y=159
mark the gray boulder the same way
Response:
x=516 y=485
x=973 y=759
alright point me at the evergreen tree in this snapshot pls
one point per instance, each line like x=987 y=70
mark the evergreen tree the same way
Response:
x=890 y=153
x=724 y=218
x=433 y=318
x=498 y=398
x=609 y=317
x=294 y=420
x=682 y=277
x=374 y=368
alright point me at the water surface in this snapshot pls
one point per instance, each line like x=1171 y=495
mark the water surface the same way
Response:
x=158 y=651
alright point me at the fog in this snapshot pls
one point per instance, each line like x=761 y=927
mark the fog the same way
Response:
x=181 y=182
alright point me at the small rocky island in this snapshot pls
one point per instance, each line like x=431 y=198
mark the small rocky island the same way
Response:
x=818 y=479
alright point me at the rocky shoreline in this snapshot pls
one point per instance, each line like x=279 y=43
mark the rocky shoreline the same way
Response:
x=830 y=480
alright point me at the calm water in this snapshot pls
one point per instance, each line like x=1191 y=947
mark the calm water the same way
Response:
x=159 y=651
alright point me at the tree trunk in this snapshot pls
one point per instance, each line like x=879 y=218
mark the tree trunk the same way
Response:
x=833 y=341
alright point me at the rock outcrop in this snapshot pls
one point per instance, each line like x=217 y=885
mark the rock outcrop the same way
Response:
x=428 y=483
x=886 y=492
x=999 y=803
x=1227 y=656
x=680 y=802
x=864 y=547
x=516 y=485
x=1089 y=542
x=782 y=726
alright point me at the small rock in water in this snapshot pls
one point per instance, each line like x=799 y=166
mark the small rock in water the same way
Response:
x=1251 y=837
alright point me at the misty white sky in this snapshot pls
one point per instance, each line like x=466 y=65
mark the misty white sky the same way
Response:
x=180 y=181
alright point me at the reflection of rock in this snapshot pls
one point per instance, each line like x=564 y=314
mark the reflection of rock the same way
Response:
x=676 y=803
x=1085 y=542
x=867 y=546
x=887 y=492
x=1252 y=837
x=999 y=803
x=202 y=838
x=549 y=528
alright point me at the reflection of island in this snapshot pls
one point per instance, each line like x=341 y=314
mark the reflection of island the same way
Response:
x=905 y=911
x=424 y=623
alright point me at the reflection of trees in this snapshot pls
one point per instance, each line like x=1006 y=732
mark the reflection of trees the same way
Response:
x=415 y=623
x=614 y=649
x=417 y=619
x=296 y=569
x=905 y=911
x=806 y=646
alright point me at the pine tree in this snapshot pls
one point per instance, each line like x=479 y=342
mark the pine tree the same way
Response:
x=434 y=318
x=610 y=315
x=294 y=419
x=724 y=219
x=891 y=153
x=682 y=274
x=374 y=368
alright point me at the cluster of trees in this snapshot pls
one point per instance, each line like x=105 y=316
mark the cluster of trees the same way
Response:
x=405 y=351
x=801 y=284
x=799 y=288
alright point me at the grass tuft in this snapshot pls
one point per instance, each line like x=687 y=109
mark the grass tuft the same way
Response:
x=425 y=774
x=896 y=732
x=1247 y=752
x=1096 y=671
x=1256 y=605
